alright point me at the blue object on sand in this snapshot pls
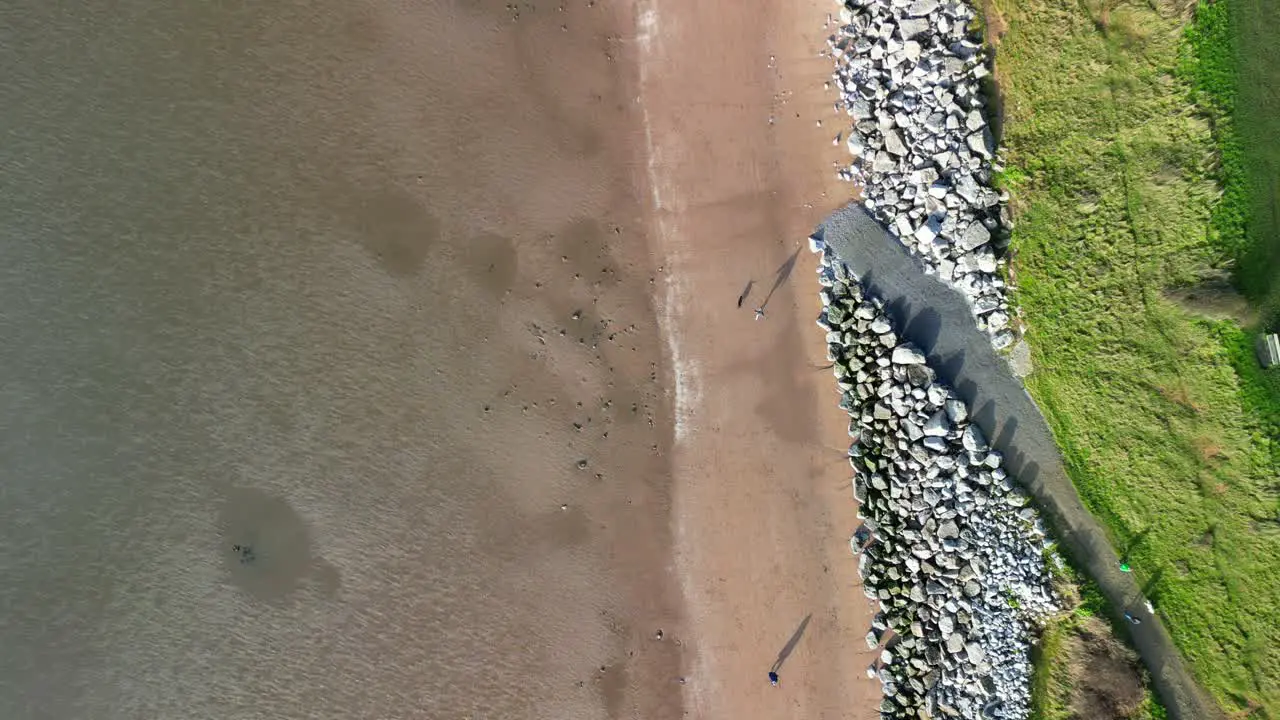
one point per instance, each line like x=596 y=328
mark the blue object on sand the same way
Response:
x=773 y=678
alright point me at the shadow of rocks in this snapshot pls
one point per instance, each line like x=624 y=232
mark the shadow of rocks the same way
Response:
x=937 y=319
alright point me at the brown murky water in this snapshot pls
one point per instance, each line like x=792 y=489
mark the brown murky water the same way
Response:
x=330 y=375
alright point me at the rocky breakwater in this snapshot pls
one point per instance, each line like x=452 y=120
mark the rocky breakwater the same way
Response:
x=908 y=73
x=949 y=547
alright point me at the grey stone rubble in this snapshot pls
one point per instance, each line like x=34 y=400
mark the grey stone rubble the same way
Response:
x=949 y=546
x=908 y=74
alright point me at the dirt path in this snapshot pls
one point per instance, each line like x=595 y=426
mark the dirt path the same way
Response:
x=762 y=505
x=935 y=317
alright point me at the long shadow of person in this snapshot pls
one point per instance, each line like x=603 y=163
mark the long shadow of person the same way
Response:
x=790 y=646
x=781 y=276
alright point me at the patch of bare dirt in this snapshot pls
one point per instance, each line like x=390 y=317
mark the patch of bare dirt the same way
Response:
x=994 y=27
x=1108 y=679
x=1213 y=297
x=994 y=21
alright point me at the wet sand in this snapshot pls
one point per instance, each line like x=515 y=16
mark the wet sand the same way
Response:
x=763 y=505
x=358 y=287
x=430 y=307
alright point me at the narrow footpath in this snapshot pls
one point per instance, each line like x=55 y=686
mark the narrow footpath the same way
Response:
x=935 y=317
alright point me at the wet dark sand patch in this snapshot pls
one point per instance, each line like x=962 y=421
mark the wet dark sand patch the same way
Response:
x=492 y=260
x=396 y=228
x=266 y=547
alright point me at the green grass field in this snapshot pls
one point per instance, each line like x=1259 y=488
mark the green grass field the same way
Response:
x=1233 y=67
x=1233 y=70
x=1167 y=424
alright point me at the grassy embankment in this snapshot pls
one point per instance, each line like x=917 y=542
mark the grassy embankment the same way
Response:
x=1168 y=426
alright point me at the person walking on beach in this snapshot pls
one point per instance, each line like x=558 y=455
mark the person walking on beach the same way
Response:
x=759 y=313
x=773 y=678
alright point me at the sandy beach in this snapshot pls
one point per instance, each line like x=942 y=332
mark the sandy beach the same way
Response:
x=741 y=172
x=384 y=360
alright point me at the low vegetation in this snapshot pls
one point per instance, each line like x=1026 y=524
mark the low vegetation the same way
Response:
x=1125 y=188
x=1230 y=62
x=1081 y=669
